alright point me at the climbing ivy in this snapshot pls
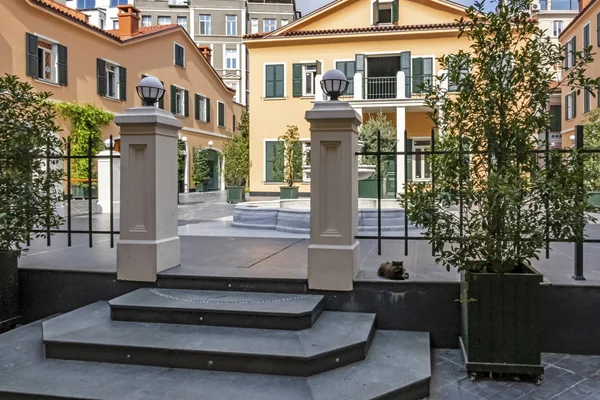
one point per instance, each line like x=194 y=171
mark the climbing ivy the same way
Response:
x=86 y=121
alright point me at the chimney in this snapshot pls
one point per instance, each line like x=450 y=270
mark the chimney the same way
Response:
x=206 y=52
x=129 y=20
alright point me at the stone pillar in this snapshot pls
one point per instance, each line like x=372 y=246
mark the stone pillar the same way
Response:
x=400 y=85
x=358 y=87
x=149 y=242
x=400 y=127
x=333 y=249
x=319 y=95
x=104 y=182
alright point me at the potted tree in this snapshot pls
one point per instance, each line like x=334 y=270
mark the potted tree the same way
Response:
x=367 y=188
x=30 y=187
x=591 y=134
x=292 y=162
x=494 y=200
x=236 y=166
x=201 y=169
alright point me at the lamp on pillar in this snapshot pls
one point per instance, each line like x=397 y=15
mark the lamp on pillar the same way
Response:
x=150 y=90
x=334 y=84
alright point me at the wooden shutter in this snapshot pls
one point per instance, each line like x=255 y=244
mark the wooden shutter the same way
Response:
x=197 y=107
x=186 y=103
x=319 y=67
x=122 y=83
x=161 y=102
x=63 y=73
x=269 y=158
x=270 y=81
x=573 y=49
x=395 y=11
x=405 y=67
x=574 y=94
x=598 y=28
x=417 y=78
x=297 y=80
x=376 y=12
x=207 y=109
x=32 y=55
x=173 y=100
x=221 y=114
x=101 y=76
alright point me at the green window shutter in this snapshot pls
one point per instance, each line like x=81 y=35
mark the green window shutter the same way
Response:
x=574 y=94
x=279 y=83
x=63 y=73
x=269 y=81
x=269 y=158
x=186 y=103
x=297 y=80
x=173 y=100
x=405 y=67
x=197 y=107
x=32 y=55
x=408 y=146
x=417 y=78
x=319 y=67
x=221 y=114
x=101 y=76
x=598 y=28
x=122 y=83
x=297 y=161
x=347 y=67
x=207 y=109
x=161 y=102
x=555 y=121
x=376 y=12
x=395 y=11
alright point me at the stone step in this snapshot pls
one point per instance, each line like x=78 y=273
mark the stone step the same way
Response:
x=88 y=334
x=398 y=366
x=218 y=308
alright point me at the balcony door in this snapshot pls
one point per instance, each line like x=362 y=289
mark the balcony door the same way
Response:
x=381 y=77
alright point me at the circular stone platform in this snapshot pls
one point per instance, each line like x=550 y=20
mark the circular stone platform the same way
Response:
x=294 y=215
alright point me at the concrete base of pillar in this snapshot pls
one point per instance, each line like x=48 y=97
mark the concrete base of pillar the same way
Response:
x=332 y=267
x=105 y=207
x=141 y=260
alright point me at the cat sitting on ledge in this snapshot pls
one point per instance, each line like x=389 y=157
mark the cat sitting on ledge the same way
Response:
x=393 y=270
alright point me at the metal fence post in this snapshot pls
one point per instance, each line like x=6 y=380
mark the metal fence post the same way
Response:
x=578 y=257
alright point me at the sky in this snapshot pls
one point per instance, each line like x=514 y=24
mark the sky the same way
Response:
x=307 y=6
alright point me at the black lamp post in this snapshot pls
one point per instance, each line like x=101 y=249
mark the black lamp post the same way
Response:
x=334 y=84
x=150 y=90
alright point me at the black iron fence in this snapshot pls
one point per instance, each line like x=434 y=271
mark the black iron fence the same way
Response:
x=411 y=153
x=67 y=159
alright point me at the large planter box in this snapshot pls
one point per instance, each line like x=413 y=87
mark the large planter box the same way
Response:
x=200 y=187
x=287 y=192
x=9 y=291
x=500 y=328
x=83 y=192
x=367 y=189
x=236 y=194
x=594 y=199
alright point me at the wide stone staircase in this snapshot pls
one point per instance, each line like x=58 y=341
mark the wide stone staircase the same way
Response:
x=184 y=344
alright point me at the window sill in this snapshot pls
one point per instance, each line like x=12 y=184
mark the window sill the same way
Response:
x=115 y=99
x=201 y=122
x=179 y=116
x=308 y=97
x=220 y=126
x=179 y=66
x=46 y=82
x=274 y=98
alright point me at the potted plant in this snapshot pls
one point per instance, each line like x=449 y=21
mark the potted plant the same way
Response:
x=201 y=169
x=30 y=187
x=367 y=188
x=493 y=201
x=236 y=166
x=292 y=160
x=591 y=140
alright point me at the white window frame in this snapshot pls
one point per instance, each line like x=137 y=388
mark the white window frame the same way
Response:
x=53 y=60
x=304 y=72
x=115 y=24
x=236 y=86
x=218 y=114
x=203 y=111
x=234 y=60
x=184 y=18
x=231 y=26
x=207 y=24
x=265 y=24
x=556 y=31
x=112 y=68
x=254 y=25
x=179 y=101
x=175 y=44
x=569 y=105
x=145 y=19
x=423 y=159
x=385 y=6
x=284 y=22
x=163 y=16
x=264 y=81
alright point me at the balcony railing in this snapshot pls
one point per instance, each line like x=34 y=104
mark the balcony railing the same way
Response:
x=380 y=87
x=179 y=3
x=419 y=84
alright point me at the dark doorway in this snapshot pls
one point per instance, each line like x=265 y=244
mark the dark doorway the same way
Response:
x=214 y=168
x=383 y=66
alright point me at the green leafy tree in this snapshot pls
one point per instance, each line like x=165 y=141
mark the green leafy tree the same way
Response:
x=201 y=168
x=244 y=126
x=591 y=166
x=87 y=121
x=489 y=212
x=29 y=184
x=180 y=160
x=292 y=155
x=368 y=135
x=236 y=166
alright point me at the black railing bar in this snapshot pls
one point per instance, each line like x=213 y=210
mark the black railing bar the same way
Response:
x=379 y=177
x=432 y=189
x=404 y=189
x=90 y=239
x=441 y=152
x=69 y=193
x=547 y=202
x=578 y=250
x=64 y=157
x=48 y=236
x=76 y=231
x=457 y=239
x=112 y=215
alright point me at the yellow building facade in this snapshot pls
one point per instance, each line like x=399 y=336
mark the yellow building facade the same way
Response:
x=56 y=50
x=386 y=56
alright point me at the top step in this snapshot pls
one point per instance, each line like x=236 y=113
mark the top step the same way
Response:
x=218 y=308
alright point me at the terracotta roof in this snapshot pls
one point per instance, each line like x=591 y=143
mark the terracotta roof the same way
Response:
x=369 y=29
x=65 y=10
x=143 y=30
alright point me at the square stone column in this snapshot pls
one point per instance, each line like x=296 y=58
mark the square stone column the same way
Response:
x=149 y=242
x=333 y=249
